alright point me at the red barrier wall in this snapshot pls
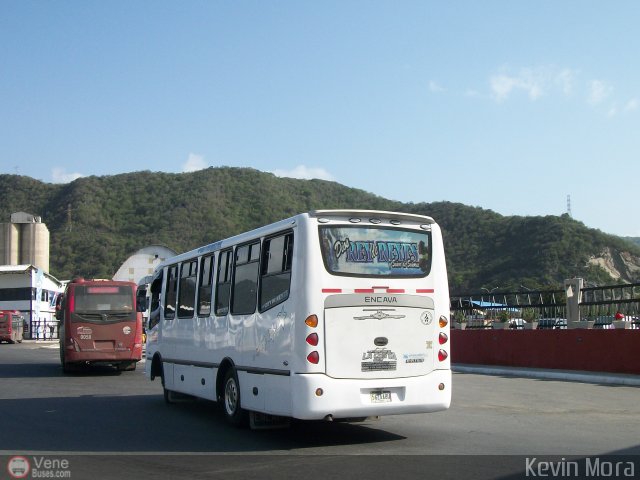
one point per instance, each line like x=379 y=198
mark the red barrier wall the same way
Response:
x=615 y=351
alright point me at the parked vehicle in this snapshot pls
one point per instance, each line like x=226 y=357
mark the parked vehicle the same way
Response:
x=552 y=324
x=11 y=326
x=517 y=323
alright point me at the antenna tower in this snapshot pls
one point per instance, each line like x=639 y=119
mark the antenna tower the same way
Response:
x=569 y=206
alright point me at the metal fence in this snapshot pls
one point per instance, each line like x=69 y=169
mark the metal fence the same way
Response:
x=601 y=303
x=43 y=330
x=601 y=306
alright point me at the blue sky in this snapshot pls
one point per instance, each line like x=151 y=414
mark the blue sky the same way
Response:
x=506 y=105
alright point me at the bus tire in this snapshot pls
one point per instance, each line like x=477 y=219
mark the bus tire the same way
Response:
x=234 y=414
x=65 y=368
x=166 y=393
x=126 y=366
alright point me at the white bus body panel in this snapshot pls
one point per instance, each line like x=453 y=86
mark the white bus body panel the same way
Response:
x=269 y=350
x=348 y=398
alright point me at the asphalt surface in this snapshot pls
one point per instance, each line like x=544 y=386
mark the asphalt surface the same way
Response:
x=110 y=424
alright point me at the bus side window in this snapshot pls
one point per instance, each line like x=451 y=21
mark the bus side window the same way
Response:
x=275 y=280
x=245 y=279
x=154 y=313
x=204 y=286
x=187 y=289
x=223 y=283
x=170 y=293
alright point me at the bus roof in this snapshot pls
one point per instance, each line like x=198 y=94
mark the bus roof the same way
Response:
x=266 y=229
x=407 y=217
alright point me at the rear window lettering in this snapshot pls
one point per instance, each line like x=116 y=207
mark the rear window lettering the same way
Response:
x=375 y=251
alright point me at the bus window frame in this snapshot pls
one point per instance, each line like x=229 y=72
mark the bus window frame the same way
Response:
x=249 y=262
x=167 y=291
x=192 y=263
x=155 y=305
x=287 y=268
x=200 y=301
x=428 y=233
x=219 y=309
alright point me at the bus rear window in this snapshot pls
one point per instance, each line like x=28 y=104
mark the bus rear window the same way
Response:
x=113 y=298
x=375 y=251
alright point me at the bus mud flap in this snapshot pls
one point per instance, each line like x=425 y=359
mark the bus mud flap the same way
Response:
x=264 y=421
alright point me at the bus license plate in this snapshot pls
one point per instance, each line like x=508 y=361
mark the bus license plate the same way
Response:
x=380 y=396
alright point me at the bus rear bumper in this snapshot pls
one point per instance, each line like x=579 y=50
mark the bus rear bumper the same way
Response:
x=318 y=396
x=102 y=356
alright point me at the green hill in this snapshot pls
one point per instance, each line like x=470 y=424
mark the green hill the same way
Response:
x=97 y=222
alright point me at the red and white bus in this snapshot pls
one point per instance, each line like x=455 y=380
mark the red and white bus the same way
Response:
x=333 y=314
x=11 y=326
x=99 y=324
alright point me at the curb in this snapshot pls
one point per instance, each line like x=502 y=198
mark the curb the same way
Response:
x=601 y=378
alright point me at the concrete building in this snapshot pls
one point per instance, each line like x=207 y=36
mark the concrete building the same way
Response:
x=24 y=241
x=33 y=292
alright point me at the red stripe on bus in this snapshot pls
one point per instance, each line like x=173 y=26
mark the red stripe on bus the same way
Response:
x=363 y=290
x=331 y=290
x=395 y=290
x=424 y=290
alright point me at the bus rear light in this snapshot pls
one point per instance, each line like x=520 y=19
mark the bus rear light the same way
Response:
x=443 y=321
x=442 y=355
x=442 y=338
x=312 y=339
x=312 y=321
x=313 y=357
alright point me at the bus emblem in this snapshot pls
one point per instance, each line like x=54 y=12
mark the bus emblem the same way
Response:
x=126 y=330
x=84 y=331
x=379 y=315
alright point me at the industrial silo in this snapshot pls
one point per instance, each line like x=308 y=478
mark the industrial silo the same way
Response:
x=9 y=244
x=34 y=245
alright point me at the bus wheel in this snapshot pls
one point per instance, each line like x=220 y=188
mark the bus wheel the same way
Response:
x=127 y=366
x=65 y=365
x=168 y=394
x=235 y=415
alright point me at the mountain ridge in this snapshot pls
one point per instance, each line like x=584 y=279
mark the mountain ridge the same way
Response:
x=96 y=222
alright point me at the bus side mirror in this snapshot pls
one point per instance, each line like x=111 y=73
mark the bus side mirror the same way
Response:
x=59 y=313
x=142 y=304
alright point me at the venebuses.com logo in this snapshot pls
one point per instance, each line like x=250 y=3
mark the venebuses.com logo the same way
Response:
x=38 y=467
x=18 y=467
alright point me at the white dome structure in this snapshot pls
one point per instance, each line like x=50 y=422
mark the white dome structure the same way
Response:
x=142 y=263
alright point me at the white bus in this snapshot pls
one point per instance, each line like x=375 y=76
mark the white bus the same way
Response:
x=331 y=314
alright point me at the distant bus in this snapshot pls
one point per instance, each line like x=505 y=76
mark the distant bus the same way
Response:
x=99 y=324
x=11 y=326
x=332 y=314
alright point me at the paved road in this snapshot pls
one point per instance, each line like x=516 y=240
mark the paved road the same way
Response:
x=103 y=414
